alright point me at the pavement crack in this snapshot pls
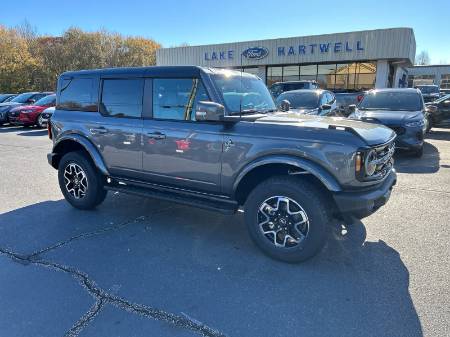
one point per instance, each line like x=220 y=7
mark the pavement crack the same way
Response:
x=103 y=297
x=85 y=319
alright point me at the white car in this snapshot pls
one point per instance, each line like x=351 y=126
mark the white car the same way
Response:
x=45 y=116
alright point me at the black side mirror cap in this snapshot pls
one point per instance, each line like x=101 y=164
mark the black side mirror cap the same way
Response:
x=352 y=108
x=325 y=107
x=209 y=111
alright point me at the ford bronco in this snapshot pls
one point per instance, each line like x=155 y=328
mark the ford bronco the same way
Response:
x=214 y=139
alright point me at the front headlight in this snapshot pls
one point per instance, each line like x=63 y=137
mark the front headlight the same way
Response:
x=369 y=162
x=416 y=124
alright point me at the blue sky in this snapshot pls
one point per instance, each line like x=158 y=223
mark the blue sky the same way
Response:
x=173 y=22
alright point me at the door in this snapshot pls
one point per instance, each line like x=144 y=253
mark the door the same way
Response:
x=117 y=133
x=177 y=149
x=444 y=112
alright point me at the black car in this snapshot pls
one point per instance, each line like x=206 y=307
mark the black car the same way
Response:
x=25 y=98
x=403 y=110
x=6 y=97
x=345 y=99
x=439 y=112
x=278 y=88
x=308 y=101
x=430 y=92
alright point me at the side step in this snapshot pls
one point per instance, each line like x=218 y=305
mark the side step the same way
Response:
x=190 y=199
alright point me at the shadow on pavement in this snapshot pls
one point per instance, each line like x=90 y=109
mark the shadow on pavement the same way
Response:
x=185 y=260
x=428 y=163
x=33 y=132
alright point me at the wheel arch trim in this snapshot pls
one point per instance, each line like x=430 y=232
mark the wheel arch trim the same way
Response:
x=306 y=165
x=87 y=145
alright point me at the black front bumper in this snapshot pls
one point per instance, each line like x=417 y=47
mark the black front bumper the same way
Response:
x=363 y=203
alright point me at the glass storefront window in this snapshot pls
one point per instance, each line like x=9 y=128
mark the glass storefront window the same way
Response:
x=291 y=73
x=341 y=76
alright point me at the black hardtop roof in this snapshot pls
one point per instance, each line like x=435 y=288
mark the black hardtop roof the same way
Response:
x=155 y=71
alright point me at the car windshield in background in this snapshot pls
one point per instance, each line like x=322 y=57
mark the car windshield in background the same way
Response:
x=300 y=100
x=346 y=99
x=443 y=98
x=22 y=98
x=47 y=100
x=244 y=93
x=395 y=100
x=428 y=89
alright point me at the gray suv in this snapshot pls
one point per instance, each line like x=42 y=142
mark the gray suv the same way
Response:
x=214 y=139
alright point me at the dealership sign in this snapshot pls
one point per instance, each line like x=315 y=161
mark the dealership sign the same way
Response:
x=255 y=53
x=258 y=53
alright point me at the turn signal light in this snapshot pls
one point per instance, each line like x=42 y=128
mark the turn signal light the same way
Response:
x=358 y=162
x=49 y=129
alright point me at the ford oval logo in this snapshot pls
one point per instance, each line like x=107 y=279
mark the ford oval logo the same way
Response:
x=255 y=53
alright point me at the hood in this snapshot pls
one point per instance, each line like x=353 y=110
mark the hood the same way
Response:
x=27 y=107
x=372 y=134
x=388 y=117
x=8 y=106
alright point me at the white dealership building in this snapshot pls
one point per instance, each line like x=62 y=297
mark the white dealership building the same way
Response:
x=342 y=61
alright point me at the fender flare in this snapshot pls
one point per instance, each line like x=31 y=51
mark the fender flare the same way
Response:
x=88 y=146
x=305 y=165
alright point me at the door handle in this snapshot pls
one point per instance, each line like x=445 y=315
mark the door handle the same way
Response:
x=156 y=135
x=95 y=131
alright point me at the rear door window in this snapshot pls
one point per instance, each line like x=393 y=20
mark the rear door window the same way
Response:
x=122 y=98
x=77 y=94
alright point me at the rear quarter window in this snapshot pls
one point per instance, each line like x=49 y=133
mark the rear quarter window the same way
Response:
x=77 y=94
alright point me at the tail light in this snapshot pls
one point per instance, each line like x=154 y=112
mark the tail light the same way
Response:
x=359 y=98
x=49 y=129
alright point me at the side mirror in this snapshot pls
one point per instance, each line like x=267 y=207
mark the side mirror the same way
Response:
x=31 y=100
x=209 y=111
x=325 y=107
x=285 y=105
x=446 y=102
x=352 y=108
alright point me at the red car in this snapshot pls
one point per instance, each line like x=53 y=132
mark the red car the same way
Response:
x=28 y=115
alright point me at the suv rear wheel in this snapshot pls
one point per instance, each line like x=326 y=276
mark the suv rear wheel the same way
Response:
x=80 y=182
x=287 y=218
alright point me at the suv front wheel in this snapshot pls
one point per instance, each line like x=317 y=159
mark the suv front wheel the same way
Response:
x=287 y=218
x=80 y=182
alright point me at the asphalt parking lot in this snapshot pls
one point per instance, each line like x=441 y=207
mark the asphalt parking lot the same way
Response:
x=140 y=267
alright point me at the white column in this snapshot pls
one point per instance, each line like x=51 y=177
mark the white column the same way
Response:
x=382 y=75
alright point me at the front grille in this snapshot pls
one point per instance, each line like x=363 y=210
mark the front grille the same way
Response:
x=383 y=160
x=398 y=130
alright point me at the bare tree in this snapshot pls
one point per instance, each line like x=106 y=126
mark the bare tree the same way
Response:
x=422 y=58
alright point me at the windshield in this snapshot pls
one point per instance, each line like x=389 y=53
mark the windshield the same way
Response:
x=428 y=89
x=22 y=98
x=443 y=98
x=404 y=101
x=47 y=100
x=300 y=100
x=244 y=94
x=347 y=99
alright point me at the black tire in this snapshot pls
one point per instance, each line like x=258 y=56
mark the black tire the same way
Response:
x=308 y=197
x=94 y=192
x=39 y=122
x=418 y=153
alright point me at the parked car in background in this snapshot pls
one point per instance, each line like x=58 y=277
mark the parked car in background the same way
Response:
x=22 y=99
x=308 y=101
x=28 y=115
x=345 y=99
x=444 y=92
x=430 y=92
x=212 y=138
x=6 y=97
x=403 y=110
x=45 y=116
x=278 y=88
x=439 y=112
